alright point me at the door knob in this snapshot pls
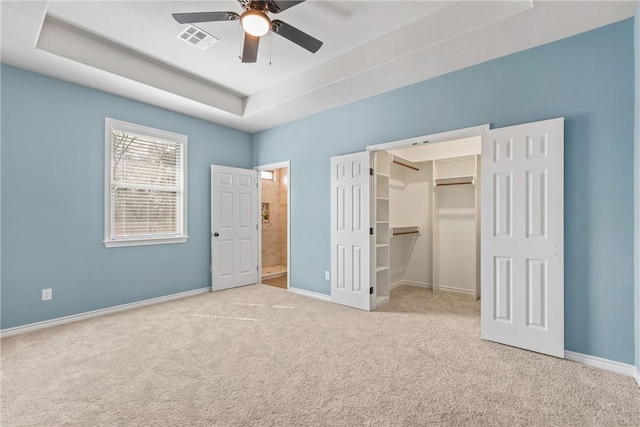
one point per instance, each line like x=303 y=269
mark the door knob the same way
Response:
x=215 y=234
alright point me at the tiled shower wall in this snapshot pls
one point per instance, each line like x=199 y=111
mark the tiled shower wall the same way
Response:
x=274 y=233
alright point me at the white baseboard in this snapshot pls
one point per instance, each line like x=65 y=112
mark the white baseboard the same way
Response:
x=457 y=290
x=311 y=294
x=430 y=286
x=95 y=313
x=598 y=362
x=636 y=376
x=410 y=283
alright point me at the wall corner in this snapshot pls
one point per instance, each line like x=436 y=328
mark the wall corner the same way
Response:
x=636 y=237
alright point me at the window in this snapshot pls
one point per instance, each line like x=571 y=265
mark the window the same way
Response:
x=267 y=175
x=145 y=194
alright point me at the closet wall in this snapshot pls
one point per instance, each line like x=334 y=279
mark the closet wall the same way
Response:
x=457 y=237
x=455 y=223
x=410 y=205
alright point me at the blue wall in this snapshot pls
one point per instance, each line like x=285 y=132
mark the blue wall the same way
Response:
x=52 y=178
x=637 y=189
x=588 y=79
x=53 y=201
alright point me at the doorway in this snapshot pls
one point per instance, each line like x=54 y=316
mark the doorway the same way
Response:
x=434 y=207
x=521 y=250
x=274 y=224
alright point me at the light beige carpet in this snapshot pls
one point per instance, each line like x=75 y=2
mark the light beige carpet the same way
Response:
x=262 y=356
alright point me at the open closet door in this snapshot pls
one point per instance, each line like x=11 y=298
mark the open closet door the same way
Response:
x=350 y=230
x=522 y=256
x=234 y=227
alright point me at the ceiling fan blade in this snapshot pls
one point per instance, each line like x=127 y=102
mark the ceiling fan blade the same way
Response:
x=250 y=48
x=280 y=5
x=190 y=18
x=293 y=34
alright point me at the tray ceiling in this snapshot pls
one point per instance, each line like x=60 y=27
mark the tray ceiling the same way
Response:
x=130 y=48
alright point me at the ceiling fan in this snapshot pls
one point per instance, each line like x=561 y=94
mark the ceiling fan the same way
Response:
x=256 y=23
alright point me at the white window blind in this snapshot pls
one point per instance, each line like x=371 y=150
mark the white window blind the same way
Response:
x=146 y=183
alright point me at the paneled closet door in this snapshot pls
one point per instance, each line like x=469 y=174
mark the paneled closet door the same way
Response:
x=350 y=230
x=522 y=227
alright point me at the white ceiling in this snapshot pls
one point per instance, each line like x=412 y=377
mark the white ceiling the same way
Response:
x=130 y=48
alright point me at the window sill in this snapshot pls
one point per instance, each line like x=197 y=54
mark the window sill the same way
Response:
x=141 y=242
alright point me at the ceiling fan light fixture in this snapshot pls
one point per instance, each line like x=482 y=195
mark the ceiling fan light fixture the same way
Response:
x=255 y=22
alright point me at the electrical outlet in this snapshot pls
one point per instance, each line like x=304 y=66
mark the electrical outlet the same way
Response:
x=47 y=294
x=327 y=275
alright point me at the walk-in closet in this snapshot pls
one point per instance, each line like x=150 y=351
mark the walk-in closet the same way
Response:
x=407 y=212
x=427 y=213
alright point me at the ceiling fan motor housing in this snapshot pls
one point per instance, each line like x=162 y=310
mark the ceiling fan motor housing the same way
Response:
x=263 y=6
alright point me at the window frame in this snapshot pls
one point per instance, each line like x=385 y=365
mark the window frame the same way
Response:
x=264 y=175
x=109 y=240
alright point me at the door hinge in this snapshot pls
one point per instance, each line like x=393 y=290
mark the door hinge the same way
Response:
x=371 y=231
x=371 y=290
x=256 y=226
x=371 y=171
x=211 y=235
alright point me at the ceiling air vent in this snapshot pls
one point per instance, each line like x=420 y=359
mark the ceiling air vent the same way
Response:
x=197 y=37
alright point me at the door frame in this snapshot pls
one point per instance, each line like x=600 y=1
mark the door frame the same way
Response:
x=447 y=136
x=271 y=166
x=431 y=139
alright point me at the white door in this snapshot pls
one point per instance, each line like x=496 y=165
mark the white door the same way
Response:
x=234 y=227
x=522 y=255
x=350 y=230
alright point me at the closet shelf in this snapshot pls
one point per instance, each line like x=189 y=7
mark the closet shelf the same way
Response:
x=382 y=198
x=382 y=268
x=382 y=245
x=454 y=180
x=400 y=231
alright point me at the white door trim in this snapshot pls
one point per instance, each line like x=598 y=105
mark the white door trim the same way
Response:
x=431 y=139
x=271 y=166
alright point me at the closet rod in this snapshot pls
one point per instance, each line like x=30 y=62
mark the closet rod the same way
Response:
x=406 y=166
x=406 y=232
x=455 y=183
